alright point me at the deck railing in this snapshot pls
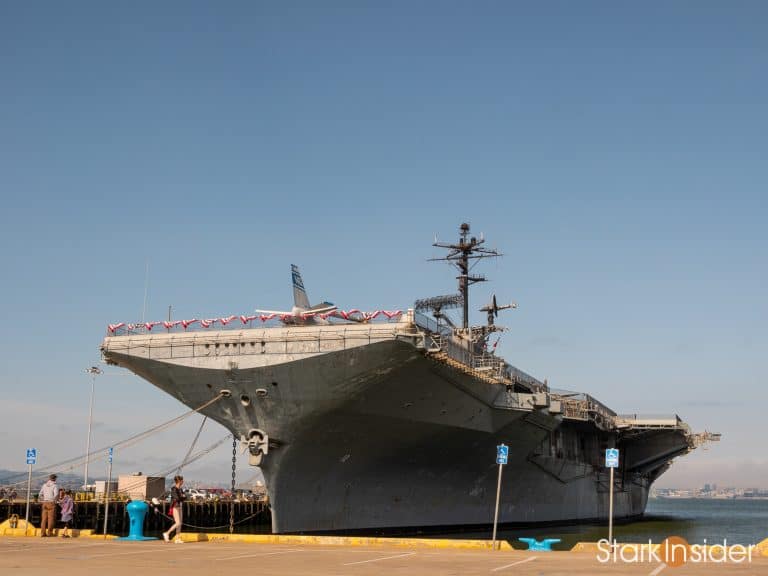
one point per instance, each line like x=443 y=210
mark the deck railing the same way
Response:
x=233 y=343
x=580 y=406
x=484 y=364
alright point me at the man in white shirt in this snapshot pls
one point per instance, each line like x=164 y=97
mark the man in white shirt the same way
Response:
x=48 y=495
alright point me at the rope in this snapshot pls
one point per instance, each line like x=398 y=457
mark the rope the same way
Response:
x=72 y=463
x=188 y=460
x=224 y=525
x=196 y=456
x=261 y=510
x=192 y=447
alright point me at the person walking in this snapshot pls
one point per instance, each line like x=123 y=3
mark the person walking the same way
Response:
x=67 y=512
x=48 y=495
x=177 y=499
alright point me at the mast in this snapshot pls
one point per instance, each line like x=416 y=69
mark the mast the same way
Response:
x=468 y=248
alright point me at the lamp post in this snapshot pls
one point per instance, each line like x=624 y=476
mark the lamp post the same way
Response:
x=93 y=371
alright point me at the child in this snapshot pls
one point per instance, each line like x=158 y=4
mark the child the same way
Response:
x=67 y=512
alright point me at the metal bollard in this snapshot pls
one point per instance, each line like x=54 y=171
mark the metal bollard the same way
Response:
x=137 y=510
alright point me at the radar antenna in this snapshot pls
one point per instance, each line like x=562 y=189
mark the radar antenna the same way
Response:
x=468 y=248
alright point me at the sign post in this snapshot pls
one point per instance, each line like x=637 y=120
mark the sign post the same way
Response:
x=31 y=459
x=611 y=462
x=502 y=454
x=106 y=491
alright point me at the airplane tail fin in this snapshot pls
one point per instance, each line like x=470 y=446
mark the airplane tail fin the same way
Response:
x=300 y=299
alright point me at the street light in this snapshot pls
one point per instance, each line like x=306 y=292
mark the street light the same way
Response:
x=93 y=371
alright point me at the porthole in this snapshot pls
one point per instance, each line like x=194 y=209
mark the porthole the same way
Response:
x=245 y=400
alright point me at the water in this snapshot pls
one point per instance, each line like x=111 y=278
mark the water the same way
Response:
x=739 y=521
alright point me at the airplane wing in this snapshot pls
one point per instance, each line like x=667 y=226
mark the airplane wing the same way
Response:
x=278 y=312
x=321 y=310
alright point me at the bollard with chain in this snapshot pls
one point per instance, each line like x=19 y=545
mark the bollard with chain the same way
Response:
x=232 y=499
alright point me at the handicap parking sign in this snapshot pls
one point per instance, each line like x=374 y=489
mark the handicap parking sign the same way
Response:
x=612 y=458
x=502 y=454
x=31 y=455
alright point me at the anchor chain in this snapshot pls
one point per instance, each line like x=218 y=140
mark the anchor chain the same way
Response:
x=232 y=500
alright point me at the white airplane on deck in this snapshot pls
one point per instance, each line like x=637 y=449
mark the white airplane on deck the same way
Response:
x=302 y=312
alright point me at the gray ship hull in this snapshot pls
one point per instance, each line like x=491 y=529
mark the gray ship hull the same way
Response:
x=379 y=435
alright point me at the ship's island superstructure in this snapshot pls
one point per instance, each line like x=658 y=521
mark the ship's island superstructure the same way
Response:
x=359 y=423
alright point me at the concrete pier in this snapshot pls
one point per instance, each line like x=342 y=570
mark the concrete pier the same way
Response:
x=28 y=556
x=250 y=517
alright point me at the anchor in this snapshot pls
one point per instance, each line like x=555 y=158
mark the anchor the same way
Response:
x=257 y=444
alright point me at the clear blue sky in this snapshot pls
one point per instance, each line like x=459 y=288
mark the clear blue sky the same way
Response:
x=615 y=151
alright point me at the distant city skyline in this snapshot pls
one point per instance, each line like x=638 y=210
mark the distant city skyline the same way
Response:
x=707 y=487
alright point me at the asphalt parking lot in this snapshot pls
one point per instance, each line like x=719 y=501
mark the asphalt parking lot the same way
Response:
x=76 y=557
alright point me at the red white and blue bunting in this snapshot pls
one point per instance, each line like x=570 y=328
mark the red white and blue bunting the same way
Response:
x=353 y=314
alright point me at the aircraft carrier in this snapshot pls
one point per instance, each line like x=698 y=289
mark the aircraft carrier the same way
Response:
x=371 y=420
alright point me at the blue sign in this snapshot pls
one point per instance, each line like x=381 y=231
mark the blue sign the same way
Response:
x=502 y=454
x=612 y=458
x=31 y=455
x=110 y=455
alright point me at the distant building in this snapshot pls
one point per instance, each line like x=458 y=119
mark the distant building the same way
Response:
x=140 y=487
x=101 y=488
